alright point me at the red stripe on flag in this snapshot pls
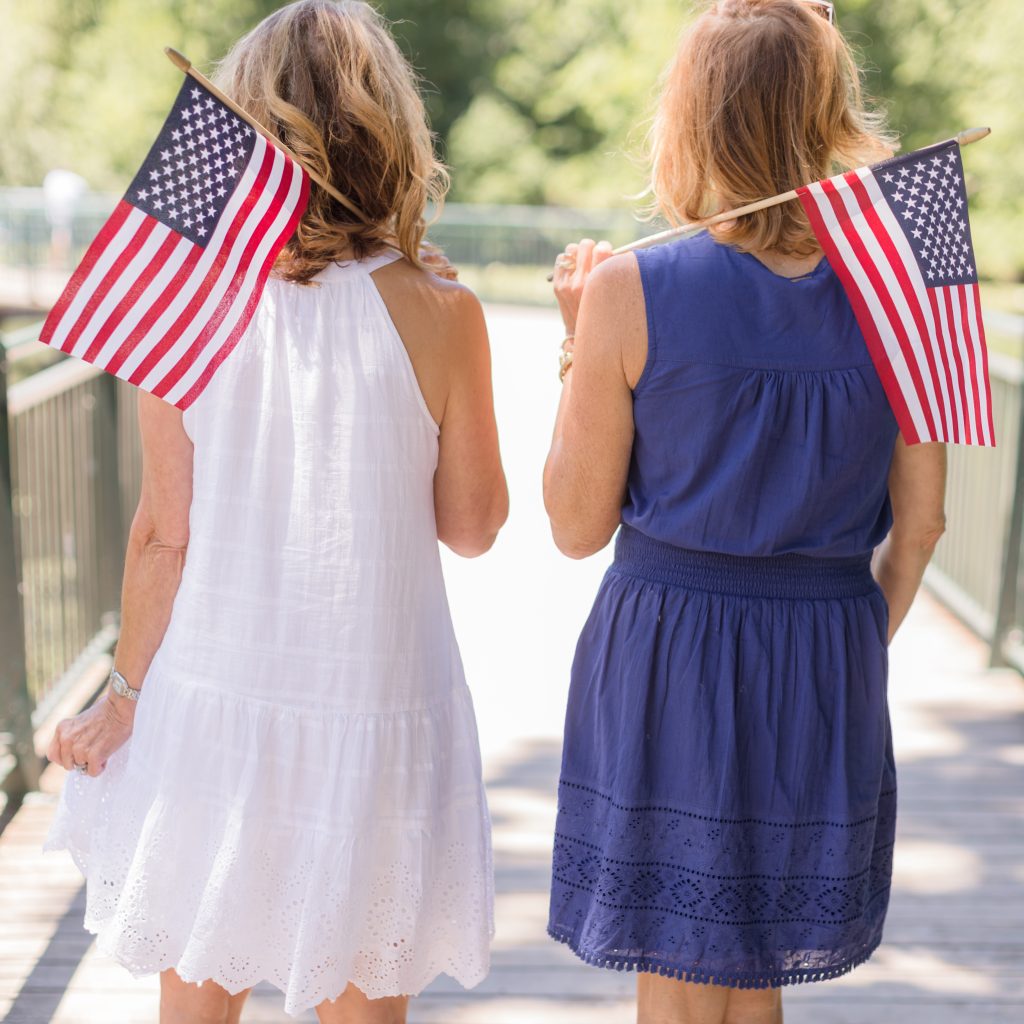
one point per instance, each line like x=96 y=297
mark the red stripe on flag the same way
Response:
x=899 y=270
x=985 y=381
x=106 y=233
x=974 y=384
x=195 y=304
x=872 y=335
x=243 y=322
x=864 y=319
x=954 y=409
x=958 y=359
x=131 y=297
x=191 y=354
x=110 y=278
x=156 y=310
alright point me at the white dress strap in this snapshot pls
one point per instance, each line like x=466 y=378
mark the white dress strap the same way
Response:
x=381 y=259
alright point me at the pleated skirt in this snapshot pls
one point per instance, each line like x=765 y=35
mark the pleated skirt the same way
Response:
x=727 y=800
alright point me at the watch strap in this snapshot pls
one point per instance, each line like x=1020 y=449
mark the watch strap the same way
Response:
x=120 y=686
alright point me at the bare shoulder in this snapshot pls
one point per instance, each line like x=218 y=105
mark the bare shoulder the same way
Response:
x=441 y=324
x=427 y=303
x=617 y=274
x=613 y=306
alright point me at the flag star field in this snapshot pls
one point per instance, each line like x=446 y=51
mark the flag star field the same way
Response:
x=194 y=165
x=169 y=285
x=927 y=194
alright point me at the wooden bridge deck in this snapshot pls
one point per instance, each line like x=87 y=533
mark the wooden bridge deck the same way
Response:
x=954 y=944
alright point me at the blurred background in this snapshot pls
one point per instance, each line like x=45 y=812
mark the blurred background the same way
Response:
x=540 y=110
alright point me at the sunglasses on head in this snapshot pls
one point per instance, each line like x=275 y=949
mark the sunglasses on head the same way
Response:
x=824 y=8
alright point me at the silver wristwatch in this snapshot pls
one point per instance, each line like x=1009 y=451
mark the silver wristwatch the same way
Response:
x=121 y=687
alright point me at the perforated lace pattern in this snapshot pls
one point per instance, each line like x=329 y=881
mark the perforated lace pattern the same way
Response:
x=747 y=902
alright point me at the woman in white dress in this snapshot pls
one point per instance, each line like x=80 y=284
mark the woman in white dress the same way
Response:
x=294 y=793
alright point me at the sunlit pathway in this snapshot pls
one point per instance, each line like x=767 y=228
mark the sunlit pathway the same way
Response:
x=954 y=949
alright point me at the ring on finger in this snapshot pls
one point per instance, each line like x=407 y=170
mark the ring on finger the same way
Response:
x=564 y=262
x=83 y=768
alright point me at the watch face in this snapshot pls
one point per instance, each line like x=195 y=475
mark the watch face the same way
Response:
x=121 y=686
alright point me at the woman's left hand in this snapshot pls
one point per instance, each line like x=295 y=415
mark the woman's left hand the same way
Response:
x=92 y=736
x=572 y=268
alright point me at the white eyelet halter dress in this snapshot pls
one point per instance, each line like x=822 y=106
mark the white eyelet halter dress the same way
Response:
x=301 y=799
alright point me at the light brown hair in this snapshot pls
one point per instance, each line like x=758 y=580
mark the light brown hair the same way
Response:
x=327 y=79
x=762 y=96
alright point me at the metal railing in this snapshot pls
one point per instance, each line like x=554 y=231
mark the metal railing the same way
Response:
x=977 y=566
x=27 y=233
x=471 y=233
x=69 y=477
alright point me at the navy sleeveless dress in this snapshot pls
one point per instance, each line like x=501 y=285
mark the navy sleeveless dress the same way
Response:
x=727 y=798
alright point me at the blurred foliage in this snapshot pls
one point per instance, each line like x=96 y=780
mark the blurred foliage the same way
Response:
x=533 y=102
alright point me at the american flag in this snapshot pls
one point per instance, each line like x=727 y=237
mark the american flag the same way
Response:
x=169 y=285
x=898 y=238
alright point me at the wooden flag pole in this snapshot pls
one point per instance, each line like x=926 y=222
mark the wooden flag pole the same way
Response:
x=182 y=62
x=964 y=138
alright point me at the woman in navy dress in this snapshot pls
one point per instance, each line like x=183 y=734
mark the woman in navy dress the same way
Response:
x=728 y=794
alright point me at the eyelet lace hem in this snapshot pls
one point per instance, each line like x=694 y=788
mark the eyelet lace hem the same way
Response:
x=710 y=976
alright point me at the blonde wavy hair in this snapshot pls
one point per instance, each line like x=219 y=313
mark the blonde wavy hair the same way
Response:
x=327 y=79
x=762 y=96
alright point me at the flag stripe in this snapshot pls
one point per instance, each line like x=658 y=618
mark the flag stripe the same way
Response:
x=107 y=294
x=905 y=327
x=978 y=335
x=195 y=279
x=964 y=340
x=952 y=433
x=205 y=304
x=837 y=251
x=879 y=311
x=179 y=380
x=83 y=272
x=157 y=295
x=91 y=292
x=171 y=282
x=184 y=398
x=952 y=334
x=122 y=295
x=885 y=229
x=245 y=251
x=882 y=223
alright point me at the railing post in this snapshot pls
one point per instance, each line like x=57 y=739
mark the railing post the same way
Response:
x=1006 y=609
x=13 y=678
x=106 y=462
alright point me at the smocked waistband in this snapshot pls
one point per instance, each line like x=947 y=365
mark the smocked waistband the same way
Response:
x=780 y=576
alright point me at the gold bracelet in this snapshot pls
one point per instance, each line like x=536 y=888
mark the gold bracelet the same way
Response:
x=564 y=364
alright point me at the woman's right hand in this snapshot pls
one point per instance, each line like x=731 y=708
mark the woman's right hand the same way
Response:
x=572 y=268
x=93 y=735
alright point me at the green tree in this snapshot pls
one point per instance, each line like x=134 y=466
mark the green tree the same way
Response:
x=532 y=101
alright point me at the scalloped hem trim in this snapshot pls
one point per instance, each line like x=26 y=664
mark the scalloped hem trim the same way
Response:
x=233 y=987
x=707 y=976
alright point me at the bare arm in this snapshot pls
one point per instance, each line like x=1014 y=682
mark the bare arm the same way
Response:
x=917 y=488
x=470 y=492
x=586 y=469
x=153 y=565
x=442 y=327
